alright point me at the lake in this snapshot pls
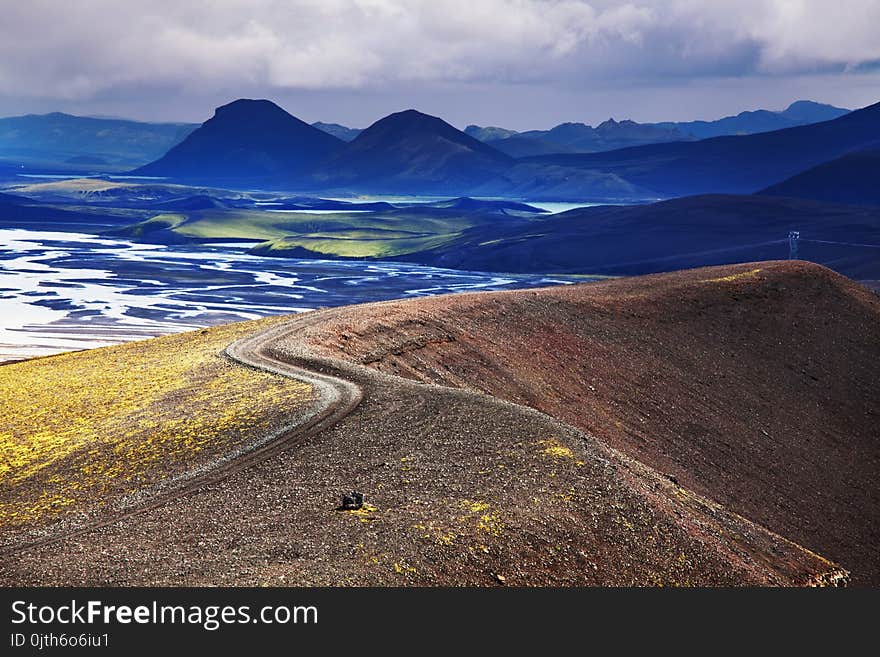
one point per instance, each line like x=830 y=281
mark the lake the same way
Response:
x=62 y=291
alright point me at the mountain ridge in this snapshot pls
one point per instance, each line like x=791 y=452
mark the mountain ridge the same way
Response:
x=732 y=164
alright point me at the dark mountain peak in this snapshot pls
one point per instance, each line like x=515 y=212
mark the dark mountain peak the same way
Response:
x=245 y=109
x=411 y=119
x=413 y=127
x=414 y=152
x=246 y=140
x=409 y=124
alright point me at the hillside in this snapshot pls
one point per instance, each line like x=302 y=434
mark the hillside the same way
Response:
x=753 y=385
x=20 y=211
x=735 y=164
x=99 y=428
x=853 y=178
x=677 y=234
x=465 y=488
x=411 y=152
x=246 y=140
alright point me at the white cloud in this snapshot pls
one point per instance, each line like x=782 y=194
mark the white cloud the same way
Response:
x=69 y=50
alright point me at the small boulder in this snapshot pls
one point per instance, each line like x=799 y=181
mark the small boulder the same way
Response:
x=352 y=501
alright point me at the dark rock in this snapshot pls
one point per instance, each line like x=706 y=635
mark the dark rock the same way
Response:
x=352 y=501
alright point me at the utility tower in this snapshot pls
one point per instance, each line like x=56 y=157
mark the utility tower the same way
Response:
x=793 y=237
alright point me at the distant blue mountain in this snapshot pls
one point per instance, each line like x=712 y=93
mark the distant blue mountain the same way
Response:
x=801 y=112
x=613 y=135
x=574 y=137
x=339 y=131
x=606 y=136
x=62 y=138
x=732 y=164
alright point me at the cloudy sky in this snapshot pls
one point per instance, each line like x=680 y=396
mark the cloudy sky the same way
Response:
x=515 y=63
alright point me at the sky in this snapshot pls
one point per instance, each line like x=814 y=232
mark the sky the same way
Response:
x=515 y=63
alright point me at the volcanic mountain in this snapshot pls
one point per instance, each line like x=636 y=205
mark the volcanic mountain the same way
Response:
x=414 y=153
x=246 y=140
x=733 y=164
x=709 y=427
x=852 y=178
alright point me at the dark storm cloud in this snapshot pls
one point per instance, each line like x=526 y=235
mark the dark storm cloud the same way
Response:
x=165 y=58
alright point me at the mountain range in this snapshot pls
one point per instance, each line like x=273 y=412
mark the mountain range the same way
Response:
x=801 y=112
x=732 y=164
x=576 y=137
x=611 y=134
x=256 y=144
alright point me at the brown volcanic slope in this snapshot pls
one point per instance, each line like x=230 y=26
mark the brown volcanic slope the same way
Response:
x=465 y=488
x=755 y=385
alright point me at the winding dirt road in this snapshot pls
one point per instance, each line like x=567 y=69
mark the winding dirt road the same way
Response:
x=336 y=398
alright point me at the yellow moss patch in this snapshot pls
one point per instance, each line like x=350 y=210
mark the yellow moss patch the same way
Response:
x=403 y=569
x=733 y=277
x=474 y=506
x=490 y=523
x=76 y=426
x=438 y=534
x=365 y=513
x=554 y=448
